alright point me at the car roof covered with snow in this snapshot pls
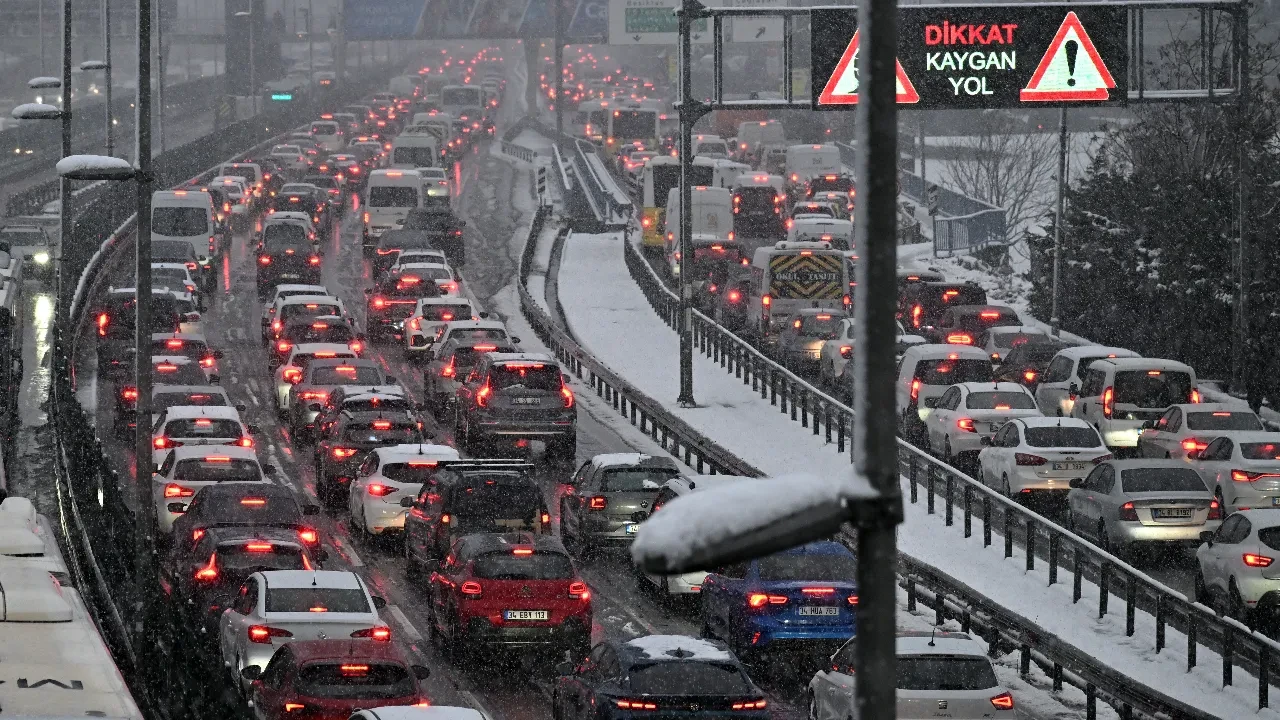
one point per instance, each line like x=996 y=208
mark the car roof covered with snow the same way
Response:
x=665 y=648
x=923 y=642
x=1083 y=351
x=613 y=460
x=416 y=451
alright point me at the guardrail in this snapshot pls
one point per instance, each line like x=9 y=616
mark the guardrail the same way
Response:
x=519 y=152
x=1238 y=645
x=1002 y=629
x=611 y=206
x=963 y=223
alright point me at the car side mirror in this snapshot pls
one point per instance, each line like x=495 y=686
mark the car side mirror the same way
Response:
x=242 y=407
x=1077 y=483
x=931 y=402
x=421 y=672
x=391 y=380
x=254 y=430
x=310 y=509
x=176 y=507
x=406 y=502
x=1206 y=536
x=270 y=470
x=379 y=602
x=562 y=668
x=484 y=315
x=565 y=377
x=985 y=441
x=368 y=291
x=1149 y=425
x=252 y=672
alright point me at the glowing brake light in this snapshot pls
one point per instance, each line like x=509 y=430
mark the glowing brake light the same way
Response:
x=173 y=490
x=341 y=453
x=1003 y=701
x=378 y=490
x=1108 y=402
x=381 y=634
x=759 y=600
x=262 y=634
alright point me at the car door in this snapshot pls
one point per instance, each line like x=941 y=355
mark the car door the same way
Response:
x=1088 y=403
x=569 y=503
x=1213 y=461
x=237 y=619
x=833 y=695
x=1052 y=389
x=442 y=583
x=1220 y=559
x=940 y=419
x=1083 y=500
x=269 y=688
x=1163 y=440
x=575 y=689
x=726 y=591
x=998 y=459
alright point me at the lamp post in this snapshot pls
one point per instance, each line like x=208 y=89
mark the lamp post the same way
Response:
x=253 y=58
x=44 y=111
x=104 y=65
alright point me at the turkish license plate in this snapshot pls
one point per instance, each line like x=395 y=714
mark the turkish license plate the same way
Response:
x=525 y=401
x=1068 y=466
x=1275 y=501
x=290 y=276
x=819 y=610
x=631 y=528
x=525 y=615
x=1171 y=512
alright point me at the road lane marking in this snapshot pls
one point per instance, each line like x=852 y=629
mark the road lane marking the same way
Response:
x=349 y=552
x=403 y=620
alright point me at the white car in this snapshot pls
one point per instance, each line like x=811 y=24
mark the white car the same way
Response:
x=449 y=282
x=237 y=191
x=420 y=328
x=387 y=475
x=417 y=255
x=998 y=341
x=291 y=371
x=837 y=351
x=284 y=291
x=1242 y=469
x=968 y=412
x=1189 y=427
x=188 y=469
x=944 y=674
x=1040 y=455
x=193 y=425
x=1239 y=573
x=435 y=181
x=290 y=156
x=286 y=308
x=1053 y=394
x=475 y=330
x=275 y=607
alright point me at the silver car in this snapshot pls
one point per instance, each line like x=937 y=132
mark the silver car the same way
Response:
x=1123 y=502
x=321 y=377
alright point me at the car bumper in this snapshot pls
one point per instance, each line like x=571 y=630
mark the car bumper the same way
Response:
x=1245 y=498
x=525 y=428
x=1121 y=437
x=382 y=517
x=1026 y=479
x=486 y=631
x=1259 y=591
x=686 y=584
x=968 y=442
x=799 y=639
x=1134 y=532
x=612 y=532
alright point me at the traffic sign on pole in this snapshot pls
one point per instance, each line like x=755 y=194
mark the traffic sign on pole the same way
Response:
x=755 y=29
x=650 y=22
x=842 y=87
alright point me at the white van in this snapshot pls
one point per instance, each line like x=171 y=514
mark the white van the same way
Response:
x=1117 y=395
x=186 y=215
x=754 y=135
x=727 y=172
x=405 y=86
x=389 y=197
x=329 y=134
x=712 y=146
x=712 y=214
x=806 y=161
x=415 y=150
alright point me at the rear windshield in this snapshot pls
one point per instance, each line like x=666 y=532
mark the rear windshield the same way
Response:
x=324 y=128
x=1000 y=401
x=949 y=372
x=166 y=373
x=316 y=600
x=1139 y=480
x=424 y=155
x=245 y=174
x=382 y=433
x=165 y=400
x=374 y=404
x=1223 y=420
x=687 y=677
x=1062 y=437
x=202 y=428
x=215 y=469
x=808 y=567
x=346 y=375
x=260 y=555
x=180 y=221
x=838 y=184
x=410 y=472
x=636 y=479
x=478 y=334
x=538 y=566
x=819 y=325
x=444 y=313
x=1152 y=388
x=432 y=273
x=482 y=502
x=194 y=349
x=958 y=295
x=468 y=356
x=302 y=360
x=1035 y=351
x=945 y=673
x=320 y=332
x=756 y=199
x=526 y=376
x=170 y=277
x=175 y=249
x=323 y=181
x=283 y=234
x=354 y=680
x=249 y=509
x=390 y=196
x=1013 y=339
x=316 y=309
x=1260 y=451
x=977 y=323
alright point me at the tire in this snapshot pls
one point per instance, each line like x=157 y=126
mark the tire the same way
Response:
x=1235 y=604
x=1201 y=590
x=1104 y=541
x=946 y=452
x=813 y=706
x=1006 y=488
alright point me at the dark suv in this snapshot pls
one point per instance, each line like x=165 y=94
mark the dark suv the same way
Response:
x=341 y=451
x=512 y=398
x=609 y=496
x=286 y=256
x=114 y=320
x=921 y=304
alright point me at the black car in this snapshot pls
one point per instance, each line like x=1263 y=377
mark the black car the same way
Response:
x=393 y=299
x=1026 y=363
x=332 y=188
x=247 y=505
x=451 y=364
x=471 y=496
x=921 y=304
x=657 y=675
x=114 y=321
x=164 y=371
x=391 y=243
x=965 y=324
x=286 y=255
x=341 y=450
x=512 y=398
x=274 y=177
x=204 y=576
x=443 y=228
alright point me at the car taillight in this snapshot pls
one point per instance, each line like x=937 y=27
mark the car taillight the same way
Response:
x=165 y=443
x=1191 y=444
x=379 y=303
x=751 y=705
x=959 y=339
x=366 y=218
x=415 y=324
x=284 y=346
x=598 y=502
x=1028 y=459
x=1108 y=402
x=1215 y=510
x=1029 y=376
x=381 y=633
x=1246 y=476
x=314 y=260
x=1003 y=701
x=192 y=266
x=293 y=376
x=579 y=591
x=208 y=573
x=263 y=633
x=482 y=396
x=472 y=588
x=567 y=396
x=103 y=320
x=378 y=490
x=129 y=393
x=318 y=395
x=449 y=370
x=734 y=296
x=1195 y=396
x=915 y=389
x=245 y=441
x=308 y=536
x=207 y=361
x=341 y=453
x=966 y=424
x=294 y=707
x=758 y=600
x=853 y=600
x=635 y=705
x=1128 y=512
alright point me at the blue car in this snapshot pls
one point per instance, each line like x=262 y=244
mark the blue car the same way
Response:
x=802 y=599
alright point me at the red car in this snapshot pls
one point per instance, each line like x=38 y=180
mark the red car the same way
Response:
x=517 y=588
x=331 y=679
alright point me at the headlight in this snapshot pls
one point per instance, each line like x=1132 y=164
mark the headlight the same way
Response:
x=41 y=258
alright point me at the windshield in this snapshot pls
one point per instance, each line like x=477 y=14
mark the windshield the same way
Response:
x=354 y=680
x=393 y=196
x=687 y=677
x=636 y=479
x=324 y=128
x=346 y=375
x=259 y=555
x=481 y=503
x=755 y=199
x=281 y=234
x=634 y=124
x=180 y=221
x=944 y=673
x=1013 y=339
x=949 y=372
x=527 y=376
x=1260 y=451
x=1071 y=437
x=293 y=310
x=166 y=400
x=227 y=508
x=445 y=313
x=196 y=428
x=830 y=567
x=316 y=600
x=1000 y=401
x=1152 y=388
x=1223 y=420
x=508 y=566
x=410 y=472
x=1162 y=479
x=217 y=469
x=819 y=325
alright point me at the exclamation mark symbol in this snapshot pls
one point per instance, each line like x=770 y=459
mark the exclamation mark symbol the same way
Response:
x=1072 y=47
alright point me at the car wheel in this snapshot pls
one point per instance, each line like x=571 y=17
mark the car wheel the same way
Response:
x=1202 y=591
x=1006 y=488
x=813 y=706
x=1104 y=541
x=946 y=451
x=1222 y=505
x=1235 y=604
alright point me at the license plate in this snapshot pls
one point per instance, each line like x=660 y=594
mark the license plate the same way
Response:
x=631 y=528
x=1275 y=501
x=812 y=610
x=1068 y=466
x=290 y=276
x=1171 y=512
x=524 y=614
x=525 y=401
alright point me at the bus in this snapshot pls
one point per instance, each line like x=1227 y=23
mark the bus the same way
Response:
x=465 y=102
x=789 y=276
x=593 y=118
x=631 y=125
x=660 y=174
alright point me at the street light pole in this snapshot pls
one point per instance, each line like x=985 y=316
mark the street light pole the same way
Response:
x=106 y=77
x=688 y=117
x=64 y=184
x=161 y=64
x=1054 y=320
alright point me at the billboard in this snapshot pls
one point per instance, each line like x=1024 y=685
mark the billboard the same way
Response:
x=463 y=19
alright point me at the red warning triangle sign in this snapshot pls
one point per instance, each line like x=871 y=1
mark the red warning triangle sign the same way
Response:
x=1071 y=69
x=842 y=86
